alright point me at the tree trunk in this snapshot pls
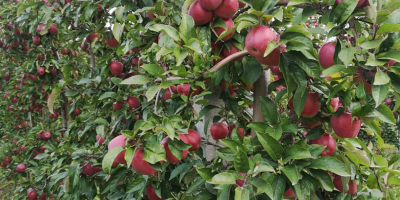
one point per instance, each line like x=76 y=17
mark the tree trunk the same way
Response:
x=260 y=90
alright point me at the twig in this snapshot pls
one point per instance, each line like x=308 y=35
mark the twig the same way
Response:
x=377 y=180
x=226 y=61
x=155 y=104
x=240 y=12
x=212 y=144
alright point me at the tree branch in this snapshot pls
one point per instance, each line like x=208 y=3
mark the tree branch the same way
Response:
x=226 y=61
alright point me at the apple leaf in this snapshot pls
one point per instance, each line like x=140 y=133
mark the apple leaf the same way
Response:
x=397 y=105
x=168 y=128
x=269 y=110
x=167 y=29
x=273 y=147
x=233 y=145
x=331 y=164
x=332 y=70
x=186 y=29
x=151 y=92
x=343 y=11
x=228 y=177
x=295 y=152
x=388 y=28
x=205 y=173
x=106 y=95
x=53 y=96
x=154 y=69
x=324 y=179
x=371 y=44
x=263 y=166
x=385 y=114
x=119 y=12
x=262 y=186
x=129 y=156
x=137 y=184
x=381 y=78
x=299 y=101
x=136 y=80
x=379 y=92
x=117 y=30
x=242 y=194
x=392 y=55
x=347 y=55
x=292 y=173
x=110 y=157
x=252 y=69
x=241 y=161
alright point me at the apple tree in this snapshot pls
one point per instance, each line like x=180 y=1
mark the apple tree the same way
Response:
x=198 y=99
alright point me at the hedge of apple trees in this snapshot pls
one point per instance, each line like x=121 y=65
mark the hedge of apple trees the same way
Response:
x=103 y=99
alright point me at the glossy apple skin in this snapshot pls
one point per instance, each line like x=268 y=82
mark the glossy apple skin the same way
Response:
x=118 y=141
x=151 y=193
x=167 y=95
x=193 y=138
x=360 y=3
x=229 y=25
x=183 y=90
x=271 y=59
x=328 y=141
x=310 y=126
x=32 y=194
x=344 y=127
x=199 y=14
x=89 y=169
x=20 y=168
x=100 y=140
x=289 y=193
x=335 y=103
x=168 y=154
x=219 y=131
x=141 y=166
x=312 y=105
x=326 y=54
x=36 y=40
x=210 y=5
x=227 y=9
x=53 y=29
x=116 y=68
x=257 y=40
x=337 y=181
x=118 y=105
x=234 y=49
x=240 y=182
x=133 y=102
x=112 y=42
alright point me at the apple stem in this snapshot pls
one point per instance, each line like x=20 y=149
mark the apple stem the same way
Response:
x=226 y=61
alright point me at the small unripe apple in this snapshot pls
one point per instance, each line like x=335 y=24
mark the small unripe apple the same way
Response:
x=219 y=131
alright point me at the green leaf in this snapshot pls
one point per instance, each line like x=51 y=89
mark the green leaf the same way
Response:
x=225 y=178
x=205 y=110
x=233 y=145
x=388 y=28
x=41 y=156
x=296 y=2
x=397 y=105
x=315 y=133
x=138 y=79
x=332 y=70
x=258 y=127
x=186 y=29
x=136 y=184
x=347 y=55
x=260 y=5
x=71 y=93
x=383 y=113
x=100 y=130
x=73 y=173
x=167 y=29
x=52 y=99
x=395 y=80
x=324 y=178
x=129 y=155
x=295 y=152
x=168 y=128
x=371 y=44
x=273 y=148
x=343 y=11
x=292 y=173
x=299 y=100
x=269 y=110
x=108 y=95
x=331 y=164
x=263 y=166
x=110 y=157
x=205 y=173
x=381 y=78
x=262 y=186
x=241 y=161
x=181 y=169
x=154 y=69
x=151 y=92
x=118 y=29
x=252 y=69
x=242 y=194
x=119 y=12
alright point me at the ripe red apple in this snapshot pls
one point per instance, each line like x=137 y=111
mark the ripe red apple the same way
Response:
x=42 y=196
x=227 y=9
x=390 y=63
x=219 y=131
x=257 y=40
x=64 y=51
x=32 y=194
x=141 y=166
x=183 y=90
x=311 y=106
x=7 y=160
x=36 y=40
x=91 y=37
x=240 y=182
x=210 y=4
x=360 y=3
x=275 y=71
x=6 y=77
x=335 y=103
x=234 y=49
x=270 y=59
x=53 y=29
x=77 y=111
x=326 y=54
x=344 y=127
x=118 y=141
x=328 y=141
x=41 y=71
x=112 y=42
x=89 y=169
x=193 y=138
x=14 y=100
x=118 y=105
x=170 y=157
x=20 y=168
x=199 y=14
x=42 y=148
x=167 y=95
x=289 y=193
x=133 y=102
x=46 y=135
x=100 y=140
x=39 y=28
x=151 y=193
x=388 y=101
x=337 y=181
x=229 y=25
x=116 y=68
x=241 y=132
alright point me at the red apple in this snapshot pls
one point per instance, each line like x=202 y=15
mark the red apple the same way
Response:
x=326 y=54
x=193 y=138
x=133 y=102
x=335 y=103
x=41 y=71
x=210 y=4
x=20 y=168
x=168 y=154
x=141 y=166
x=311 y=106
x=234 y=49
x=118 y=105
x=42 y=196
x=227 y=9
x=289 y=193
x=64 y=51
x=275 y=71
x=39 y=28
x=240 y=182
x=77 y=111
x=46 y=135
x=100 y=140
x=118 y=141
x=36 y=40
x=167 y=95
x=91 y=37
x=7 y=160
x=183 y=90
x=327 y=141
x=257 y=40
x=344 y=127
x=219 y=131
x=89 y=169
x=151 y=193
x=112 y=42
x=6 y=77
x=116 y=68
x=32 y=194
x=229 y=25
x=337 y=181
x=53 y=29
x=241 y=5
x=199 y=14
x=388 y=101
